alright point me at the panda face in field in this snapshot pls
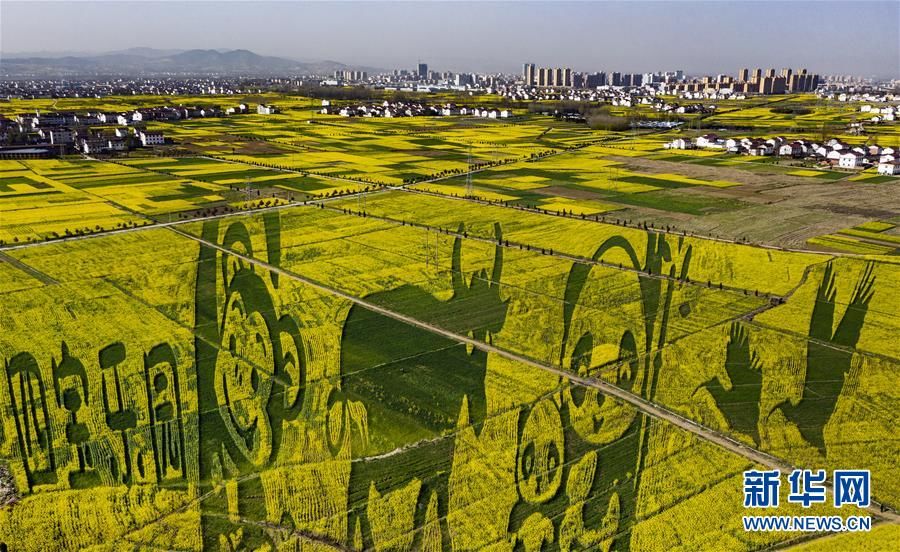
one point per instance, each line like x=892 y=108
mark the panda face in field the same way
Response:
x=243 y=380
x=540 y=457
x=596 y=418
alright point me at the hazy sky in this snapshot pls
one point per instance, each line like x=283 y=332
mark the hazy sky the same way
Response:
x=859 y=38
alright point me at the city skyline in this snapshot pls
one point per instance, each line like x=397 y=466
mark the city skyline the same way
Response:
x=646 y=36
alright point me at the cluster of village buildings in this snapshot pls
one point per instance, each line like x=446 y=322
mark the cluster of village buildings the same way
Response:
x=411 y=109
x=881 y=114
x=875 y=96
x=118 y=131
x=132 y=86
x=832 y=152
x=615 y=96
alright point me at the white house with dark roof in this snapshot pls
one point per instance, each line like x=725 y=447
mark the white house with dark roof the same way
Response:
x=850 y=160
x=707 y=141
x=891 y=168
x=116 y=144
x=679 y=143
x=61 y=136
x=152 y=138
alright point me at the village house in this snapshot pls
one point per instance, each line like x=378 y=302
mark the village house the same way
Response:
x=760 y=147
x=52 y=119
x=794 y=149
x=850 y=160
x=151 y=138
x=87 y=119
x=108 y=118
x=891 y=168
x=61 y=136
x=116 y=144
x=707 y=140
x=679 y=143
x=91 y=144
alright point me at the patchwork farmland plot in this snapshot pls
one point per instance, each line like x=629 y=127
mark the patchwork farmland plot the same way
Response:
x=296 y=348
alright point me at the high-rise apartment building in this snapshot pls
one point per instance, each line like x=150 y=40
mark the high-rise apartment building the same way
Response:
x=543 y=76
x=547 y=76
x=528 y=74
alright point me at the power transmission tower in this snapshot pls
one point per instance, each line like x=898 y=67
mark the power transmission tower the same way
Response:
x=431 y=255
x=469 y=174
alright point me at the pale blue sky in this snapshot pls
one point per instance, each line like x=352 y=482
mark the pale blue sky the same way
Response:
x=701 y=37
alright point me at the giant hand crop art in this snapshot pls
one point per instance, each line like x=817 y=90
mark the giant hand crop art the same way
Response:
x=292 y=380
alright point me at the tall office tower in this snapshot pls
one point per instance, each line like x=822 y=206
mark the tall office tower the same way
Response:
x=423 y=71
x=757 y=74
x=616 y=79
x=770 y=73
x=744 y=75
x=786 y=73
x=528 y=74
x=543 y=77
x=567 y=77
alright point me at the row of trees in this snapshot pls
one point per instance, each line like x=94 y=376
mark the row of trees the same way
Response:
x=597 y=116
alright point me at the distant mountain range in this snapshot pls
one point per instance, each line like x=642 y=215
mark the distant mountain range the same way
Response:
x=150 y=61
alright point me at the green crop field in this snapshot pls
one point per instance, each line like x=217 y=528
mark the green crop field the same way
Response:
x=308 y=332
